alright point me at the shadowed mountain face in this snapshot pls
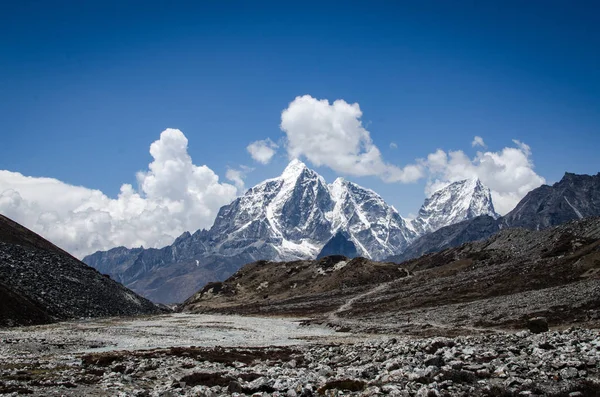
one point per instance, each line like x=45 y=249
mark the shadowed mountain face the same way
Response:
x=499 y=282
x=450 y=236
x=40 y=283
x=16 y=309
x=574 y=197
x=339 y=244
x=291 y=217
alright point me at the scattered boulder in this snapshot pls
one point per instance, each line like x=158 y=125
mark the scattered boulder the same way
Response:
x=537 y=325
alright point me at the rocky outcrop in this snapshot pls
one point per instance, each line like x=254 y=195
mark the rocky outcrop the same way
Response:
x=257 y=286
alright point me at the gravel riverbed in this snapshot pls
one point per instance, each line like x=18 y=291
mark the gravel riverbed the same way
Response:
x=215 y=355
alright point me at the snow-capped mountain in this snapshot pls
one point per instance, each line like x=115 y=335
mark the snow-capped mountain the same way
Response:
x=286 y=218
x=281 y=218
x=294 y=215
x=375 y=228
x=455 y=203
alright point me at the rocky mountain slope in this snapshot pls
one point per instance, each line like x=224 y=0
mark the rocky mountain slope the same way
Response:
x=264 y=283
x=287 y=218
x=573 y=197
x=474 y=229
x=500 y=282
x=40 y=283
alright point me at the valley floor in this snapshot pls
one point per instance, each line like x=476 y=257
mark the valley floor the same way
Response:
x=213 y=355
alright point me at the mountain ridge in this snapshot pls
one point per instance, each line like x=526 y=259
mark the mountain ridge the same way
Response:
x=289 y=217
x=543 y=207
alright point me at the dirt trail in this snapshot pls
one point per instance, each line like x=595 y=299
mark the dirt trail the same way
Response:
x=334 y=316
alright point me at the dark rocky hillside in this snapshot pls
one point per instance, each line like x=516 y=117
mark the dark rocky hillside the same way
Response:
x=574 y=197
x=500 y=282
x=16 y=309
x=40 y=283
x=13 y=233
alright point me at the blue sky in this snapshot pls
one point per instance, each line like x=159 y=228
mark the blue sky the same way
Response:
x=86 y=87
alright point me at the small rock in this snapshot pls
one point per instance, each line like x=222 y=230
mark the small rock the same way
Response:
x=235 y=387
x=569 y=373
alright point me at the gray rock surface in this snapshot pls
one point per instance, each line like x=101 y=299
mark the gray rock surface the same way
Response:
x=573 y=197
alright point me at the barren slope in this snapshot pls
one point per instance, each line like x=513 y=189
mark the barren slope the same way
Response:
x=496 y=283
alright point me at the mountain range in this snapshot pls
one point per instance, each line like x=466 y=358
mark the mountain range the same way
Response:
x=291 y=217
x=573 y=197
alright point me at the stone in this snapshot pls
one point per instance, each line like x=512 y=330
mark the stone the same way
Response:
x=569 y=373
x=537 y=325
x=235 y=387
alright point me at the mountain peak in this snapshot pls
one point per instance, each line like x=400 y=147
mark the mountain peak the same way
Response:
x=339 y=181
x=293 y=169
x=459 y=201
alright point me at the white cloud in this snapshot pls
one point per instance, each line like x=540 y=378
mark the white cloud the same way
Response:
x=478 y=141
x=333 y=135
x=508 y=173
x=174 y=196
x=393 y=145
x=237 y=177
x=262 y=151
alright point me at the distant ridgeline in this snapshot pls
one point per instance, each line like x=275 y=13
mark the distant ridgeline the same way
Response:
x=298 y=216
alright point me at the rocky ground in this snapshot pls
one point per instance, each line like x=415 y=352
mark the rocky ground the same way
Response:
x=199 y=355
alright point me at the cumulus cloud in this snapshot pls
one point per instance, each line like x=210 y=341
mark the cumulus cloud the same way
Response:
x=332 y=134
x=508 y=173
x=478 y=141
x=262 y=151
x=393 y=145
x=237 y=177
x=174 y=196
